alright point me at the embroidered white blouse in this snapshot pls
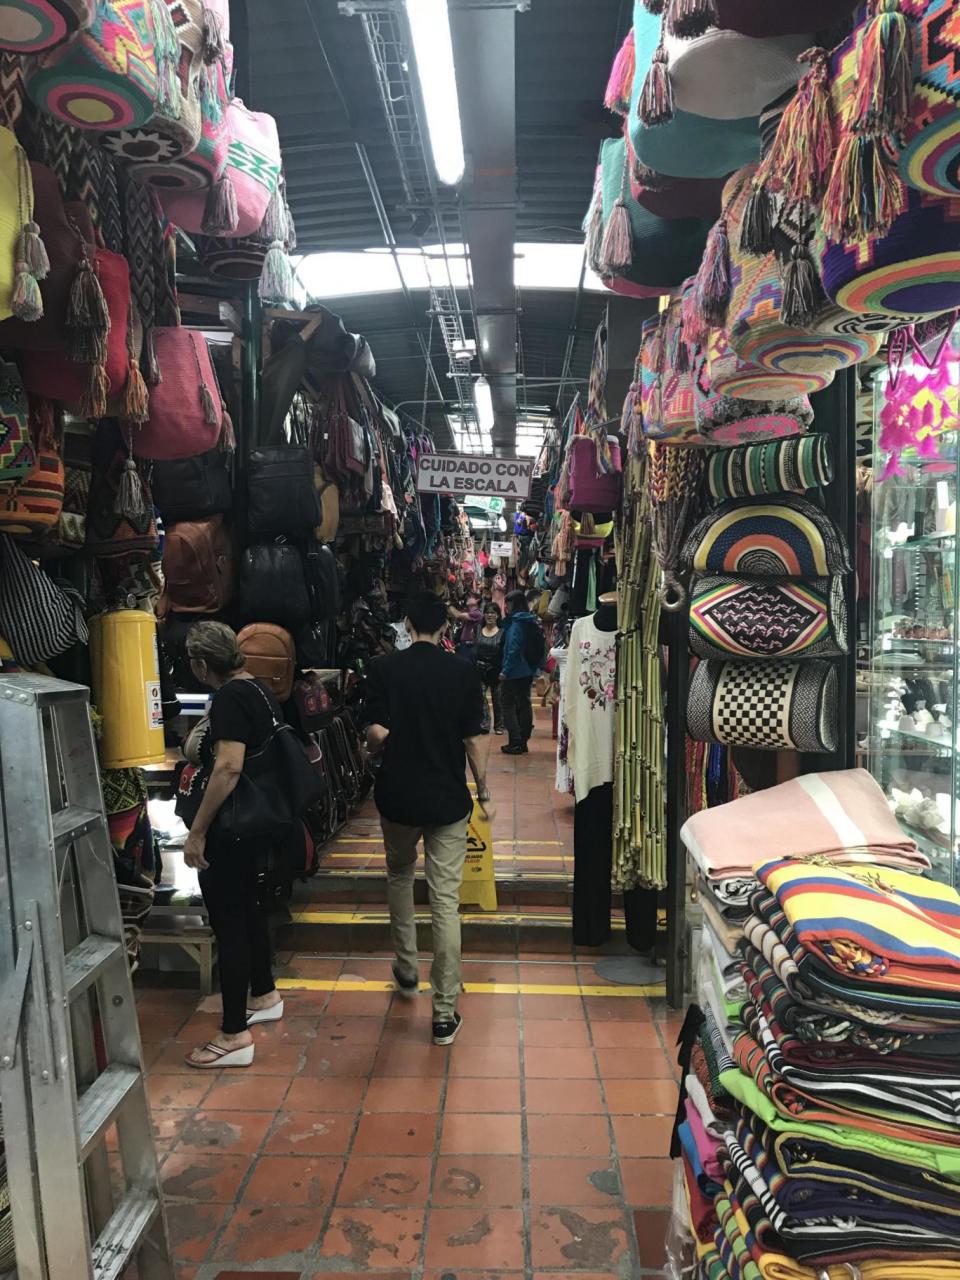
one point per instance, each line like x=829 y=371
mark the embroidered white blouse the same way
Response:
x=589 y=696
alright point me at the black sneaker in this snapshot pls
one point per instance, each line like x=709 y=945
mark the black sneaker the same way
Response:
x=513 y=751
x=409 y=988
x=446 y=1032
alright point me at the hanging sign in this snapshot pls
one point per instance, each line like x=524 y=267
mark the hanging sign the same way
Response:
x=457 y=474
x=502 y=549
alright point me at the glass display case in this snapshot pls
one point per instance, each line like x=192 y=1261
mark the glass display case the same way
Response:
x=911 y=669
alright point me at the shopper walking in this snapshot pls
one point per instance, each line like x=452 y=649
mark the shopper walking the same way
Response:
x=423 y=712
x=241 y=720
x=489 y=659
x=524 y=652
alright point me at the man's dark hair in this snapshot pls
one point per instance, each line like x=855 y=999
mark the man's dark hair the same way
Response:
x=517 y=600
x=427 y=613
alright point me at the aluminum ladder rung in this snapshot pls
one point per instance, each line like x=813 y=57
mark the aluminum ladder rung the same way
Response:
x=122 y=1236
x=98 y=1105
x=73 y=822
x=85 y=963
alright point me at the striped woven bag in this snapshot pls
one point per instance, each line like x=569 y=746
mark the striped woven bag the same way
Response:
x=31 y=26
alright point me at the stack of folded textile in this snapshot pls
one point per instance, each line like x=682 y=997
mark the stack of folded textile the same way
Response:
x=821 y=1135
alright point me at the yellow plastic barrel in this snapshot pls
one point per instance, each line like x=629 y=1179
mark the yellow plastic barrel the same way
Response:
x=126 y=688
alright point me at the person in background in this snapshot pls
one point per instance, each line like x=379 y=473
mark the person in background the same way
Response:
x=489 y=657
x=524 y=652
x=423 y=712
x=469 y=618
x=241 y=718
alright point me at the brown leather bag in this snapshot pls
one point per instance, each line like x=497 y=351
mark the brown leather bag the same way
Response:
x=271 y=656
x=198 y=567
x=329 y=496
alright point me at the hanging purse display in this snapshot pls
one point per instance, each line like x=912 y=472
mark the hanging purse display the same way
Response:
x=32 y=26
x=725 y=420
x=776 y=706
x=23 y=259
x=281 y=495
x=782 y=466
x=33 y=504
x=674 y=197
x=186 y=412
x=784 y=537
x=120 y=516
x=592 y=489
x=760 y=618
x=731 y=376
x=38 y=618
x=17 y=454
x=71 y=531
x=673 y=400
x=107 y=77
x=273 y=586
x=192 y=488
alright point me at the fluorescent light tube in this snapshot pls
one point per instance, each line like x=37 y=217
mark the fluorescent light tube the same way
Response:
x=433 y=50
x=483 y=403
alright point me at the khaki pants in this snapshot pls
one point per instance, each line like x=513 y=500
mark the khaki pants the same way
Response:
x=445 y=849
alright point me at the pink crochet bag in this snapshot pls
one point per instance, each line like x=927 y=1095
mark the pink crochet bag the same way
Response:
x=590 y=488
x=186 y=412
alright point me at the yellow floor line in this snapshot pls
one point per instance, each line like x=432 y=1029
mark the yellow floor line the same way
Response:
x=366 y=873
x=359 y=916
x=475 y=988
x=497 y=857
x=370 y=840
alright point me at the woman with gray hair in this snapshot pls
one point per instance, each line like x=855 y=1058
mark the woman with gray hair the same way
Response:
x=241 y=719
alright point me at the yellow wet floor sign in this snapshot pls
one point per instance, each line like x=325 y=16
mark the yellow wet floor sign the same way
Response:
x=479 y=888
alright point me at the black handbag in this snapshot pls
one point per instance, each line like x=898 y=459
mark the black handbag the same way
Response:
x=273 y=587
x=192 y=488
x=323 y=581
x=282 y=495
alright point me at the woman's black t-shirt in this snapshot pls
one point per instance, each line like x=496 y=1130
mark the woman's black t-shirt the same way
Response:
x=240 y=711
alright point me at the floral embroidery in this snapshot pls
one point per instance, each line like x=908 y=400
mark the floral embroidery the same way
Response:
x=598 y=674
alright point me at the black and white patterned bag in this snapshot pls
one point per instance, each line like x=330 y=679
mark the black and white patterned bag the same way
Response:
x=38 y=618
x=779 y=705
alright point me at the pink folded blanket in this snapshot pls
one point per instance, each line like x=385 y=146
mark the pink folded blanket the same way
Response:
x=841 y=816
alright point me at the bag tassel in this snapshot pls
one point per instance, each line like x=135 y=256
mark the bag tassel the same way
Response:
x=274 y=225
x=865 y=194
x=683 y=356
x=228 y=438
x=220 y=216
x=32 y=251
x=884 y=80
x=208 y=405
x=616 y=252
x=595 y=235
x=26 y=302
x=213 y=47
x=647 y=179
x=759 y=219
x=803 y=295
x=136 y=397
x=154 y=376
x=94 y=401
x=804 y=146
x=691 y=18
x=276 y=279
x=656 y=98
x=130 y=501
x=167 y=52
x=713 y=280
x=88 y=317
x=620 y=84
x=210 y=100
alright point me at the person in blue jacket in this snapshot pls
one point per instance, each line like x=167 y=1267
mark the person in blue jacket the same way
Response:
x=524 y=653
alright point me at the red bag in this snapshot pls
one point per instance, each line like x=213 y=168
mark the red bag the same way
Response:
x=186 y=411
x=198 y=567
x=591 y=489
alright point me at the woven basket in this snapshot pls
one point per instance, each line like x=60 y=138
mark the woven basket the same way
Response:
x=731 y=376
x=32 y=26
x=728 y=421
x=180 y=426
x=231 y=259
x=106 y=77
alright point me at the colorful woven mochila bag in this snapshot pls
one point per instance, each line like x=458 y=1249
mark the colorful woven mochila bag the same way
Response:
x=728 y=421
x=32 y=26
x=676 y=421
x=114 y=74
x=760 y=18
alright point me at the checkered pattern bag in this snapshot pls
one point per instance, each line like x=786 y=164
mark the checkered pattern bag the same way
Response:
x=776 y=706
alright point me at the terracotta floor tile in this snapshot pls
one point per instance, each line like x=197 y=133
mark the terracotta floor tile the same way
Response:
x=650 y=1227
x=560 y=1180
x=616 y=1009
x=193 y=1229
x=555 y=1033
x=248 y=1093
x=204 y=1177
x=570 y=1275
x=266 y=1233
x=562 y=1007
x=342 y=1030
x=308 y=1093
x=477 y=1095
x=553 y=975
x=311 y=1133
x=576 y=1136
x=641 y=1097
x=339 y=1058
x=643 y=1135
x=483 y=1005
x=559 y=1064
x=486 y=1064
x=312 y=967
x=408 y=1059
x=232 y=1132
x=359 y=1275
x=623 y=1064
x=647 y=1183
x=461 y=1239
x=293 y=1180
x=578 y=1238
x=625 y=1035
x=481 y=1135
x=490 y=1032
x=463 y=1180
x=363 y=1004
x=288 y=1030
x=175 y=1092
x=371 y=1238
x=386 y=1182
x=398 y=1093
x=564 y=1097
x=198 y=1029
x=401 y=1134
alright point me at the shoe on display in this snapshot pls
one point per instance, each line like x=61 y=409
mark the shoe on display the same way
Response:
x=445 y=1033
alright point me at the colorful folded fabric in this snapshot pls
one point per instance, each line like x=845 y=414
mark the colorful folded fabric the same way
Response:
x=708 y=1146
x=698 y=1097
x=842 y=816
x=707 y=1185
x=879 y=926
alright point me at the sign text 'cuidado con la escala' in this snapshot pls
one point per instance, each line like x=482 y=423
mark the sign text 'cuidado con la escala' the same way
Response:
x=457 y=474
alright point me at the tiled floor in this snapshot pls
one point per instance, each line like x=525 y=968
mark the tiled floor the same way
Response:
x=354 y=1146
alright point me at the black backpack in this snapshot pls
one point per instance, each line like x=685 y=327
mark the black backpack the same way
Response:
x=534 y=644
x=323 y=581
x=192 y=488
x=273 y=585
x=282 y=495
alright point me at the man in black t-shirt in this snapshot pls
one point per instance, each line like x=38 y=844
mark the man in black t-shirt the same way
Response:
x=424 y=711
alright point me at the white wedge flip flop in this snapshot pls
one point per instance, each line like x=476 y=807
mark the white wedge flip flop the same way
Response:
x=222 y=1057
x=273 y=1014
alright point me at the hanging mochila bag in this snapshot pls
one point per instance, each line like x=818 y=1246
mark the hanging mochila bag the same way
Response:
x=23 y=258
x=761 y=19
x=782 y=537
x=120 y=516
x=591 y=488
x=111 y=75
x=186 y=414
x=726 y=420
x=17 y=454
x=32 y=26
x=676 y=420
x=33 y=504
x=198 y=567
x=781 y=466
x=763 y=619
x=775 y=706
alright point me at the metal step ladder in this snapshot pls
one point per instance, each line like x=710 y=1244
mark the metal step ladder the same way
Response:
x=71 y=1067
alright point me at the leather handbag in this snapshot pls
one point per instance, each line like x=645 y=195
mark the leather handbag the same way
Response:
x=782 y=537
x=192 y=488
x=198 y=567
x=270 y=656
x=281 y=496
x=774 y=706
x=186 y=413
x=17 y=454
x=107 y=76
x=273 y=586
x=32 y=26
x=764 y=619
x=781 y=466
x=33 y=504
x=592 y=489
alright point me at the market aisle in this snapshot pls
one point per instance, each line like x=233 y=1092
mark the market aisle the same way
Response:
x=354 y=1146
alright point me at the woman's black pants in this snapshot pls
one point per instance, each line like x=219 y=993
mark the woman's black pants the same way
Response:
x=230 y=894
